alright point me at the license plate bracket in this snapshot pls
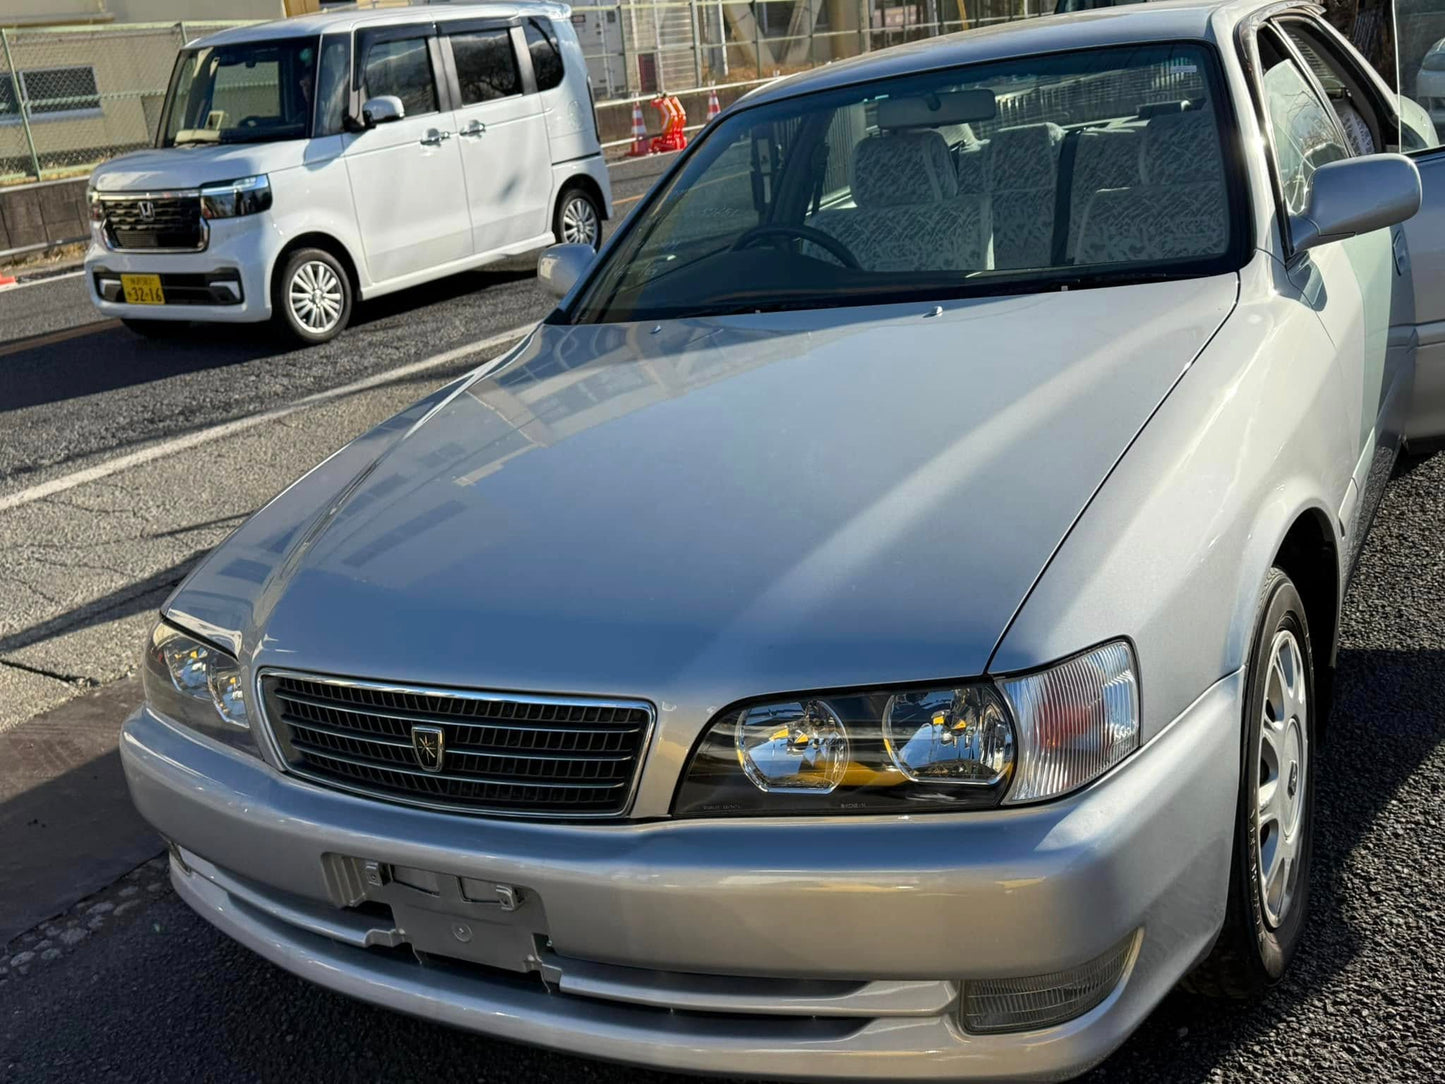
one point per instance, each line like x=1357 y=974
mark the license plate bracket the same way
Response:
x=142 y=289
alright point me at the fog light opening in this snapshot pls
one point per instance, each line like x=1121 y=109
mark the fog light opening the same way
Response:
x=991 y=1006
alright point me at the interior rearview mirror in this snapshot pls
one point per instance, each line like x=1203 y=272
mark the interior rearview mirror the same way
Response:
x=1355 y=196
x=382 y=109
x=560 y=266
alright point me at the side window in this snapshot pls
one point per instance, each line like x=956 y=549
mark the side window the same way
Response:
x=1420 y=57
x=1352 y=102
x=546 y=57
x=401 y=67
x=332 y=83
x=486 y=65
x=1304 y=134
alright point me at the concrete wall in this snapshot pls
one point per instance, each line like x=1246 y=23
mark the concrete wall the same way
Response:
x=37 y=214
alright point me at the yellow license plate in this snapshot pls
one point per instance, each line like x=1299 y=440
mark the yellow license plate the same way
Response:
x=142 y=289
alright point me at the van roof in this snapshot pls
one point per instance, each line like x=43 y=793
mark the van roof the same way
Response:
x=303 y=26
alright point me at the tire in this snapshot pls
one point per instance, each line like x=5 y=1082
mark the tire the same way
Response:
x=155 y=329
x=578 y=218
x=312 y=296
x=1266 y=911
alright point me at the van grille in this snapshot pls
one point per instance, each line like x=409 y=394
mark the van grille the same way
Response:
x=532 y=756
x=154 y=222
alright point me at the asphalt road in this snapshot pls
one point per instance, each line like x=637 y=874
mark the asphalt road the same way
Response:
x=129 y=985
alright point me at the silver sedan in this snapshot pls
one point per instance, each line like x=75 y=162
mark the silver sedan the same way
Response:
x=881 y=623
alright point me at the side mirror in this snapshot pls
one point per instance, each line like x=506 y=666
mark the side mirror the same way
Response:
x=1355 y=196
x=382 y=110
x=560 y=266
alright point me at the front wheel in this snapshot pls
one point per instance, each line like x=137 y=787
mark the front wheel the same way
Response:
x=578 y=220
x=312 y=298
x=1269 y=883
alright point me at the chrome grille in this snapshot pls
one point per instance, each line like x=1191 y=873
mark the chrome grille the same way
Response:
x=161 y=221
x=519 y=756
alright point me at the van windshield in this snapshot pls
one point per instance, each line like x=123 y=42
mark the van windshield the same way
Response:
x=1069 y=169
x=252 y=92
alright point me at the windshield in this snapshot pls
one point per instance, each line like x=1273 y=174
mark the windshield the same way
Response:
x=1073 y=168
x=255 y=92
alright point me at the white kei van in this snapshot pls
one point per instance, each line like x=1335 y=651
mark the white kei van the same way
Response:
x=300 y=166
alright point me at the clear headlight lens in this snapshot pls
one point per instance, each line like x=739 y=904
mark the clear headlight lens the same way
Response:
x=230 y=199
x=198 y=685
x=968 y=745
x=92 y=200
x=859 y=752
x=1075 y=721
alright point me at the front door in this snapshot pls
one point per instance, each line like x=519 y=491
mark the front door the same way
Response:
x=1420 y=55
x=406 y=175
x=502 y=135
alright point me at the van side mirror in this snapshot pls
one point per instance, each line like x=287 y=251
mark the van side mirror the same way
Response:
x=1355 y=196
x=560 y=266
x=381 y=110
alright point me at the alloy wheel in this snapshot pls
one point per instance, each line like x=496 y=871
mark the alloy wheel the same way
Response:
x=1280 y=798
x=316 y=296
x=580 y=225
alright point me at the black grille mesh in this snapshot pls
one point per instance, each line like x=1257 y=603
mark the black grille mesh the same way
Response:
x=174 y=222
x=532 y=758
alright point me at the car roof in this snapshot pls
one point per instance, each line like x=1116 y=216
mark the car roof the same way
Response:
x=304 y=26
x=1164 y=20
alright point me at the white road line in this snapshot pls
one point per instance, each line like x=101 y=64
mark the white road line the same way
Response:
x=226 y=429
x=43 y=281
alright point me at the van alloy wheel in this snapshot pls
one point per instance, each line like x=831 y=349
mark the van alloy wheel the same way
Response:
x=579 y=221
x=315 y=296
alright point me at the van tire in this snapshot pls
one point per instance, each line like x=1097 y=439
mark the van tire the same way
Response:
x=312 y=297
x=578 y=218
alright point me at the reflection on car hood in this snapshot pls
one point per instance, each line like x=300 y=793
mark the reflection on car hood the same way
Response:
x=195 y=165
x=716 y=508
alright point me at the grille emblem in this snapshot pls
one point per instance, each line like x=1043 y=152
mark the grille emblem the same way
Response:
x=147 y=210
x=429 y=744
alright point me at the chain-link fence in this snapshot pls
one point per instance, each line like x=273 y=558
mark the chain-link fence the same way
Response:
x=71 y=97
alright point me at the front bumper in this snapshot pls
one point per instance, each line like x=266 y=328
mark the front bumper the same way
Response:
x=235 y=266
x=843 y=940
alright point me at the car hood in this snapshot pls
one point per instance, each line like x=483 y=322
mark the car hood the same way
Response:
x=192 y=166
x=713 y=508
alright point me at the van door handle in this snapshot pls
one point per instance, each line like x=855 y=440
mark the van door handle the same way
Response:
x=476 y=128
x=435 y=138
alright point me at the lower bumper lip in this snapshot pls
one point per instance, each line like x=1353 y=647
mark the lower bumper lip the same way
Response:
x=928 y=900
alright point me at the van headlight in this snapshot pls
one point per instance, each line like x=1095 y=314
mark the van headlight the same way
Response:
x=965 y=745
x=231 y=199
x=196 y=684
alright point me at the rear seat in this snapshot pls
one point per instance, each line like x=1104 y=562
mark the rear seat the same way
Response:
x=1178 y=209
x=1025 y=169
x=909 y=214
x=1104 y=158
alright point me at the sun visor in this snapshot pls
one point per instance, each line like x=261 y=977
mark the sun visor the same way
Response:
x=935 y=110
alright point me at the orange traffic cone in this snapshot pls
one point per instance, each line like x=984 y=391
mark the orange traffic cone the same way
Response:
x=639 y=133
x=713 y=109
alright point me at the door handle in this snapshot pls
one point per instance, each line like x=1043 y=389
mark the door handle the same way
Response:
x=435 y=138
x=474 y=129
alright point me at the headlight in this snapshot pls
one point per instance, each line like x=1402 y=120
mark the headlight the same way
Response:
x=229 y=199
x=197 y=684
x=92 y=200
x=968 y=745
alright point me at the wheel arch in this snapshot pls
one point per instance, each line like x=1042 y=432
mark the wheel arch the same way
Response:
x=589 y=185
x=1309 y=554
x=327 y=243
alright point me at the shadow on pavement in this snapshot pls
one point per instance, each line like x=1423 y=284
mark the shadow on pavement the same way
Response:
x=1386 y=723
x=63 y=368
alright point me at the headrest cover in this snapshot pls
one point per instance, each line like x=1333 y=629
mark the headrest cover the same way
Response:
x=903 y=167
x=1026 y=156
x=1180 y=148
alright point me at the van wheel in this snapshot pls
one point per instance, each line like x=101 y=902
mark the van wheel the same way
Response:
x=578 y=220
x=312 y=297
x=155 y=329
x=1269 y=880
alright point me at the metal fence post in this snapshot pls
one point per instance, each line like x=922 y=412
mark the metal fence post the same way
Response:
x=696 y=44
x=21 y=100
x=185 y=38
x=758 y=37
x=863 y=26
